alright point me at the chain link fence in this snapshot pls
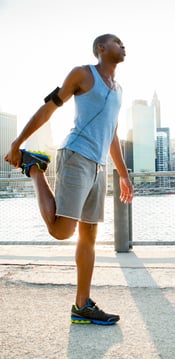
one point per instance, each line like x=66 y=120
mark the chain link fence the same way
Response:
x=153 y=211
x=153 y=208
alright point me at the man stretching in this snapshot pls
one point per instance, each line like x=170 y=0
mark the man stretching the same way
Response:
x=81 y=164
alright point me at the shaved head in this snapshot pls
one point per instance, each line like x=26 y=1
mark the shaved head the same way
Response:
x=100 y=40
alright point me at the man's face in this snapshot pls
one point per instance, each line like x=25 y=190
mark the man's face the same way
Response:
x=115 y=49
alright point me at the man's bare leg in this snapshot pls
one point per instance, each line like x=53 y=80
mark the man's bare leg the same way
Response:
x=58 y=227
x=85 y=257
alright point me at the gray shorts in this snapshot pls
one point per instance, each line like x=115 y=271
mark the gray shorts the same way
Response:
x=80 y=187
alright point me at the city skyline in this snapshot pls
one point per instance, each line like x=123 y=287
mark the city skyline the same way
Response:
x=122 y=131
x=148 y=146
x=155 y=102
x=143 y=122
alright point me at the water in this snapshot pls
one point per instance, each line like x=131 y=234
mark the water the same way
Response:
x=153 y=220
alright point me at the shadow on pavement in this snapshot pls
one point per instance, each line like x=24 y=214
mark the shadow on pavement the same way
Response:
x=156 y=305
x=92 y=341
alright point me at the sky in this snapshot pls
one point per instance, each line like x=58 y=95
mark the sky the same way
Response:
x=42 y=40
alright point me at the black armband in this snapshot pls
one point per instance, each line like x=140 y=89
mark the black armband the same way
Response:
x=54 y=97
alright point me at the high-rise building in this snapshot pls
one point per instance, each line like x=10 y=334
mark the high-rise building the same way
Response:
x=140 y=148
x=156 y=106
x=163 y=155
x=8 y=132
x=163 y=149
x=163 y=162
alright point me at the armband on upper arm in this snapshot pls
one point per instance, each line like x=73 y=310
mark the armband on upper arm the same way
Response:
x=54 y=97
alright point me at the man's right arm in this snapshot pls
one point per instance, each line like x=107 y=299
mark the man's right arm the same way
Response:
x=69 y=87
x=37 y=120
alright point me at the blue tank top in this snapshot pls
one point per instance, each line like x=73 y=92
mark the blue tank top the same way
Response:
x=95 y=120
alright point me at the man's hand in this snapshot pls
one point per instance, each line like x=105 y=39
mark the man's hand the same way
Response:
x=126 y=190
x=13 y=157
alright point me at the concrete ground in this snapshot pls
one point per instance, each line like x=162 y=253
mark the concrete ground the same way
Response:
x=38 y=286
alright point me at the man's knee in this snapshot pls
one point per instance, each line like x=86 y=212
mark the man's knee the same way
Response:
x=88 y=232
x=63 y=228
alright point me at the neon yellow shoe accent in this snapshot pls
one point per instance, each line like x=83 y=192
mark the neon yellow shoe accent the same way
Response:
x=82 y=321
x=41 y=153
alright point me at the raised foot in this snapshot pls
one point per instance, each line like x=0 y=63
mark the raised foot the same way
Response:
x=30 y=158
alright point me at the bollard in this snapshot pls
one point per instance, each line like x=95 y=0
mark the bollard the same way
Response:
x=122 y=219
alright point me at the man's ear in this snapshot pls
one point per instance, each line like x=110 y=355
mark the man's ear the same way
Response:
x=100 y=48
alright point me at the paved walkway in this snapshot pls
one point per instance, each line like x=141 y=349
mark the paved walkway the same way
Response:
x=37 y=289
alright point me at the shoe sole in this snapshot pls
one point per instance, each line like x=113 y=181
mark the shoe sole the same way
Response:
x=76 y=320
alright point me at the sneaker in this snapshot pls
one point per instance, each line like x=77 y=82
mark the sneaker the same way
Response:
x=90 y=313
x=41 y=159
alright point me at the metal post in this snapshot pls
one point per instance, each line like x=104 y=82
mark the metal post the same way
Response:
x=122 y=219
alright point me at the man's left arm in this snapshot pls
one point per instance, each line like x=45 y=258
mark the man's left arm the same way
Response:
x=126 y=188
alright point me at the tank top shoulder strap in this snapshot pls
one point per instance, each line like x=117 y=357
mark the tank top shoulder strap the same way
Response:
x=96 y=74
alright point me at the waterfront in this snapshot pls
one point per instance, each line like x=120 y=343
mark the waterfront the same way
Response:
x=153 y=220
